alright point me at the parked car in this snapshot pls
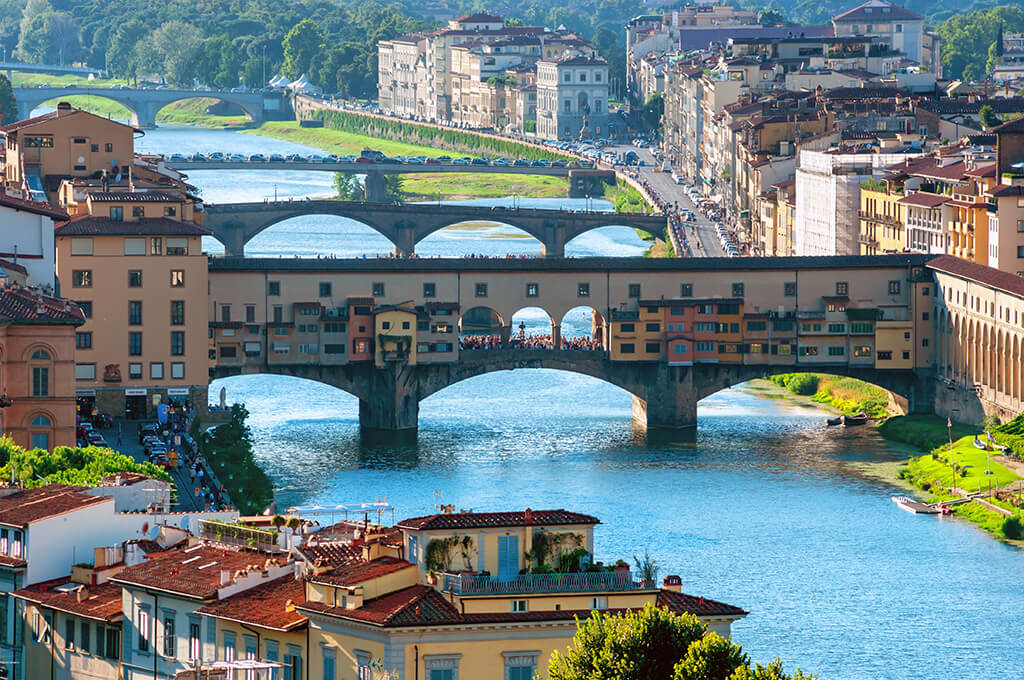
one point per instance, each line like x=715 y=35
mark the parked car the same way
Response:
x=276 y=158
x=295 y=158
x=257 y=158
x=480 y=161
x=522 y=163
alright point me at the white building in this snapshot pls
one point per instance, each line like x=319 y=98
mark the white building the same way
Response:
x=896 y=26
x=27 y=241
x=572 y=97
x=924 y=222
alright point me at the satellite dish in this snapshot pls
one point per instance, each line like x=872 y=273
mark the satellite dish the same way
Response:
x=117 y=177
x=113 y=162
x=81 y=159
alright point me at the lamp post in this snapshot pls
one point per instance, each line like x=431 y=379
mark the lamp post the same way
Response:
x=264 y=83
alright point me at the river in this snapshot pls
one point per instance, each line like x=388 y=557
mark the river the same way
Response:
x=762 y=507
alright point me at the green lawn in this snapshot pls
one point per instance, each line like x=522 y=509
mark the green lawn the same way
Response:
x=935 y=468
x=341 y=143
x=926 y=432
x=33 y=79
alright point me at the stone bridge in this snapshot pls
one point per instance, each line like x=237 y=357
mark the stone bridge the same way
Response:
x=664 y=396
x=144 y=104
x=406 y=224
x=22 y=67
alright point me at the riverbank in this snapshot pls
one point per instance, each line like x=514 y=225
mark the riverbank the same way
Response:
x=846 y=395
x=228 y=448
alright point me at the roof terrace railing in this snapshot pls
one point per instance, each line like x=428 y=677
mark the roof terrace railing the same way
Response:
x=482 y=584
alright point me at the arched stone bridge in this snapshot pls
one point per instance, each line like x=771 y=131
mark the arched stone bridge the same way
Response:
x=406 y=224
x=144 y=104
x=663 y=396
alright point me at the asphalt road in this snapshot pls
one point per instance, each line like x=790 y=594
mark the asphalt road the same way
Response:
x=703 y=230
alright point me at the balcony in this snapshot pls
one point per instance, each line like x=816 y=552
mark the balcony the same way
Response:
x=598 y=581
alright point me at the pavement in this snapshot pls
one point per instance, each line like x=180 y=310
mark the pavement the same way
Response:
x=703 y=230
x=129 y=445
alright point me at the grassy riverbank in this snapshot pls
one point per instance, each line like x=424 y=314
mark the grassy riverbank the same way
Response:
x=847 y=395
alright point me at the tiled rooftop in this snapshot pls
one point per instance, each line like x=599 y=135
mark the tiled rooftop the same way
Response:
x=266 y=605
x=1011 y=283
x=90 y=225
x=32 y=505
x=34 y=207
x=354 y=573
x=101 y=603
x=483 y=520
x=28 y=305
x=194 y=572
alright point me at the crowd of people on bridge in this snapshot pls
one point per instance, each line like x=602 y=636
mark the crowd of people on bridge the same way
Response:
x=523 y=341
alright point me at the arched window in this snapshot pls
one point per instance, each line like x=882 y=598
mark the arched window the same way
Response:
x=39 y=370
x=41 y=355
x=40 y=421
x=39 y=433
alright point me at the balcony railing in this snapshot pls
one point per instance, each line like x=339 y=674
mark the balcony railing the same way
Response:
x=480 y=584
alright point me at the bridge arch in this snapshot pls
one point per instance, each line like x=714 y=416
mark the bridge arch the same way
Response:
x=481 y=320
x=585 y=323
x=321 y=235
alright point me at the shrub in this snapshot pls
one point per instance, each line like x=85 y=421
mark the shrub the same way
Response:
x=1012 y=528
x=805 y=384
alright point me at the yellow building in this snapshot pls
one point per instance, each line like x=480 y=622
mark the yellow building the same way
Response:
x=968 y=225
x=67 y=142
x=459 y=606
x=882 y=218
x=395 y=334
x=785 y=211
x=140 y=276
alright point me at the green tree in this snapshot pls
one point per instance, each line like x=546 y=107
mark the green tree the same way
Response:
x=988 y=116
x=8 y=104
x=654 y=108
x=711 y=658
x=300 y=45
x=348 y=186
x=177 y=49
x=644 y=644
x=772 y=671
x=122 y=57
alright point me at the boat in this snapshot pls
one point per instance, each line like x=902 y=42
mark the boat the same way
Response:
x=915 y=507
x=838 y=420
x=858 y=419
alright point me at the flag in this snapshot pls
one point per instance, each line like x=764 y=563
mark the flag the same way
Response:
x=949 y=423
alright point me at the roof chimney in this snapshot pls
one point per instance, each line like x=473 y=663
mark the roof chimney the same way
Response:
x=673 y=583
x=64 y=106
x=528 y=516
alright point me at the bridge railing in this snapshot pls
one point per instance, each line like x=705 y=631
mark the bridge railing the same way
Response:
x=483 y=584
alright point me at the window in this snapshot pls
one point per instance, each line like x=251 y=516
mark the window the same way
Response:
x=229 y=645
x=899 y=28
x=894 y=288
x=924 y=342
x=519 y=606
x=325 y=289
x=837 y=328
x=156 y=245
x=225 y=313
x=83 y=340
x=532 y=290
x=170 y=211
x=627 y=348
x=178 y=312
x=686 y=290
x=44 y=142
x=757 y=326
x=583 y=290
x=924 y=316
x=329 y=665
x=81 y=278
x=69 y=633
x=177 y=343
x=138 y=211
x=134 y=312
x=108 y=147
x=81 y=246
x=143 y=642
x=135 y=246
x=134 y=278
x=884 y=355
x=85 y=371
x=135 y=343
x=250 y=313
x=178 y=370
x=156 y=370
x=862 y=351
x=230 y=351
x=842 y=288
x=85 y=637
x=679 y=348
x=194 y=645
x=634 y=290
x=177 y=278
x=273 y=288
x=480 y=290
x=737 y=290
x=135 y=371
x=808 y=351
x=378 y=289
x=789 y=288
x=86 y=307
x=177 y=246
x=834 y=351
x=40 y=381
x=628 y=328
x=169 y=636
x=116 y=213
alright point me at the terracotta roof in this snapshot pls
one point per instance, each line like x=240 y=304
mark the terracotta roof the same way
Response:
x=18 y=124
x=44 y=209
x=1004 y=190
x=987 y=170
x=353 y=573
x=194 y=572
x=12 y=562
x=929 y=166
x=334 y=553
x=475 y=520
x=480 y=17
x=265 y=605
x=21 y=508
x=124 y=479
x=422 y=605
x=1011 y=283
x=90 y=225
x=874 y=10
x=924 y=200
x=100 y=603
x=1015 y=125
x=13 y=266
x=29 y=305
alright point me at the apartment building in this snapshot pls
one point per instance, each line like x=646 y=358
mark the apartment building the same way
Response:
x=891 y=23
x=572 y=97
x=27 y=253
x=135 y=266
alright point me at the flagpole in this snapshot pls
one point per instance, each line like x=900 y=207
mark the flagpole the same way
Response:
x=949 y=426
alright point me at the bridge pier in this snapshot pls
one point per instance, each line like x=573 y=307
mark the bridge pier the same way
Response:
x=144 y=115
x=392 y=402
x=375 y=188
x=671 y=400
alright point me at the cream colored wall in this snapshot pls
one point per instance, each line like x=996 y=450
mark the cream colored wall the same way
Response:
x=889 y=336
x=283 y=638
x=395 y=318
x=574 y=602
x=490 y=543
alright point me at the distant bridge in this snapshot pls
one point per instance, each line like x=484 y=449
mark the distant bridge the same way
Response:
x=406 y=224
x=144 y=104
x=10 y=66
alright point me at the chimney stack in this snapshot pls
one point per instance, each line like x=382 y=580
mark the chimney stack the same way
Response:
x=673 y=583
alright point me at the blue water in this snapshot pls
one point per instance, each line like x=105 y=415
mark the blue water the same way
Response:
x=763 y=509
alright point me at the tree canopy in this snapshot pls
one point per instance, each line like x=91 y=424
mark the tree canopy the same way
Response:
x=8 y=104
x=656 y=644
x=67 y=465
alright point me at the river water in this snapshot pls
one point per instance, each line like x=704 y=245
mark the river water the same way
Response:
x=762 y=507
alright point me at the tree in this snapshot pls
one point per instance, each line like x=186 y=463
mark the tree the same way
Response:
x=711 y=658
x=177 y=51
x=654 y=108
x=122 y=57
x=8 y=104
x=988 y=116
x=348 y=186
x=301 y=43
x=644 y=644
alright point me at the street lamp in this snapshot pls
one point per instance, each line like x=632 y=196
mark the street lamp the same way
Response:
x=264 y=83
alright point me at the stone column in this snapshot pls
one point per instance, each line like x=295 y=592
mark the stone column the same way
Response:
x=556 y=335
x=671 y=400
x=392 y=403
x=376 y=189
